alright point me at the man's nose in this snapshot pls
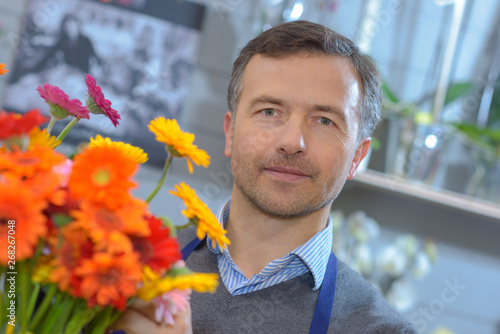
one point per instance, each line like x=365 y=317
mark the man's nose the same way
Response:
x=292 y=137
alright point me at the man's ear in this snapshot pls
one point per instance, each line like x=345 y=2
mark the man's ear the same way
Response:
x=228 y=133
x=359 y=155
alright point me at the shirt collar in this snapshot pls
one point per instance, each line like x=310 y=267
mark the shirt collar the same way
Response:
x=222 y=217
x=314 y=253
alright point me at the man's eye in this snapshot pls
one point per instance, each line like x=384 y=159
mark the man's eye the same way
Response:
x=269 y=112
x=325 y=121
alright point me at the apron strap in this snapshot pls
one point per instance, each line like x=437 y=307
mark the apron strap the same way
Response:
x=324 y=305
x=186 y=251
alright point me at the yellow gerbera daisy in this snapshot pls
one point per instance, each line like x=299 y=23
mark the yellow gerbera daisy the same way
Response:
x=42 y=270
x=42 y=138
x=155 y=285
x=179 y=143
x=134 y=152
x=199 y=213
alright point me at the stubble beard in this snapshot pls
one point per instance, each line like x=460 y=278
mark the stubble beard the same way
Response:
x=278 y=199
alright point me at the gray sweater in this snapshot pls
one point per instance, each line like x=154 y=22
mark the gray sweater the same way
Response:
x=288 y=307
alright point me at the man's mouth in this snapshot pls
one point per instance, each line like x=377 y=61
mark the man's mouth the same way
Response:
x=286 y=173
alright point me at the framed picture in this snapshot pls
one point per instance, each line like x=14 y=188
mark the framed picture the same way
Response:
x=141 y=52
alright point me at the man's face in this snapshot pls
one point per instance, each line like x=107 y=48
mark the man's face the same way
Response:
x=293 y=141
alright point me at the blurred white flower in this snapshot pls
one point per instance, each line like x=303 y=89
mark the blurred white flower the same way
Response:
x=392 y=261
x=386 y=268
x=431 y=250
x=422 y=265
x=407 y=243
x=361 y=227
x=402 y=295
x=363 y=258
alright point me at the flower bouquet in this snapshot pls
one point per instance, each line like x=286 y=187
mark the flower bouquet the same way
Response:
x=76 y=246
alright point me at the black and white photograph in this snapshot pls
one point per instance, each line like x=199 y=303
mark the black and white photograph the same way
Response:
x=142 y=59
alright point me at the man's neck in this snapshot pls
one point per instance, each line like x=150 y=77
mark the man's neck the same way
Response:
x=257 y=239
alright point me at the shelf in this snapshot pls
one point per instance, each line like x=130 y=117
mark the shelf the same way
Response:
x=419 y=191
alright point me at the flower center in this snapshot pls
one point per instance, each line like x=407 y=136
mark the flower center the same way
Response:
x=108 y=220
x=27 y=161
x=101 y=177
x=111 y=277
x=143 y=247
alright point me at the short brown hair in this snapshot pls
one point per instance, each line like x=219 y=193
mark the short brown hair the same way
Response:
x=299 y=37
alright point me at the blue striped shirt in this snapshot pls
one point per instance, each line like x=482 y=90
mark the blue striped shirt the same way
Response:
x=311 y=256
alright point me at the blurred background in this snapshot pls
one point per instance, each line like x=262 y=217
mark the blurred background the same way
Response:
x=421 y=221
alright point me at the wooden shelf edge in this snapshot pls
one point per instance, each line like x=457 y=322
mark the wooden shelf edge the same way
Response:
x=420 y=191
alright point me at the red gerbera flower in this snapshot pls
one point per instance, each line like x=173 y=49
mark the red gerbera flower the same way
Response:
x=60 y=106
x=159 y=250
x=96 y=102
x=13 y=124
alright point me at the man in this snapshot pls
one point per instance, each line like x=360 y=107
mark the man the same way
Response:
x=303 y=102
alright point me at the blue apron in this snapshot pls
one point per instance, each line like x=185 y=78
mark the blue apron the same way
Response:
x=323 y=310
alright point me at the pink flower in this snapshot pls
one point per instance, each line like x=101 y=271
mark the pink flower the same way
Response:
x=96 y=102
x=171 y=303
x=60 y=106
x=63 y=171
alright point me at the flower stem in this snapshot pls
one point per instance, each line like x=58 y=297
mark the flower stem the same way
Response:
x=82 y=315
x=51 y=124
x=68 y=127
x=24 y=291
x=4 y=300
x=53 y=316
x=102 y=321
x=33 y=298
x=189 y=223
x=162 y=178
x=40 y=313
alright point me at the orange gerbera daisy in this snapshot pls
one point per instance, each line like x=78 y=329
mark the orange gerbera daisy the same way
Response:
x=28 y=163
x=109 y=229
x=3 y=70
x=75 y=247
x=14 y=124
x=198 y=213
x=20 y=212
x=134 y=152
x=179 y=144
x=159 y=250
x=46 y=185
x=102 y=174
x=109 y=279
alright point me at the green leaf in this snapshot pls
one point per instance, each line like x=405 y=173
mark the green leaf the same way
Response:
x=458 y=90
x=375 y=145
x=60 y=219
x=485 y=137
x=388 y=94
